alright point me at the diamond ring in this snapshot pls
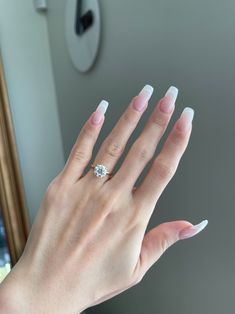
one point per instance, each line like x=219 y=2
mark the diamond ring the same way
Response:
x=100 y=170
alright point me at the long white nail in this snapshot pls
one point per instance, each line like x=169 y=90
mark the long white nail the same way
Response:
x=167 y=104
x=185 y=119
x=141 y=101
x=103 y=105
x=147 y=91
x=173 y=92
x=192 y=231
x=98 y=115
x=189 y=112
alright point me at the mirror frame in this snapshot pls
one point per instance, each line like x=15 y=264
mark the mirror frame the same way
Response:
x=12 y=201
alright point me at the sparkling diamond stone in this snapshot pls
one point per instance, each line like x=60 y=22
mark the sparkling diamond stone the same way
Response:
x=100 y=170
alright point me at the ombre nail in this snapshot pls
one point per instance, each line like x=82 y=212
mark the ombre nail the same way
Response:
x=168 y=102
x=141 y=101
x=185 y=119
x=103 y=105
x=98 y=115
x=192 y=231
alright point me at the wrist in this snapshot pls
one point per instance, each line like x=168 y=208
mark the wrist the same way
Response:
x=7 y=302
x=13 y=297
x=19 y=294
x=8 y=299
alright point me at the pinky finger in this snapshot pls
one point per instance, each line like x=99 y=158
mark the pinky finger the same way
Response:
x=81 y=152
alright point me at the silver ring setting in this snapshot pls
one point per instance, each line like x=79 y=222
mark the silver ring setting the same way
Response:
x=100 y=171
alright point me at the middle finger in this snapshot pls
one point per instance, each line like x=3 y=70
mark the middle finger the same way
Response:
x=144 y=147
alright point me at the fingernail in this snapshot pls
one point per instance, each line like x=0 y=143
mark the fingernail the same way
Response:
x=185 y=119
x=192 y=231
x=168 y=102
x=141 y=101
x=98 y=115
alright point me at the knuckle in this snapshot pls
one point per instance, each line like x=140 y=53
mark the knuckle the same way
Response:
x=81 y=156
x=164 y=170
x=88 y=132
x=143 y=152
x=159 y=121
x=56 y=190
x=177 y=138
x=164 y=243
x=128 y=118
x=113 y=148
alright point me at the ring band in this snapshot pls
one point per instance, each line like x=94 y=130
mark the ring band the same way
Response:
x=100 y=170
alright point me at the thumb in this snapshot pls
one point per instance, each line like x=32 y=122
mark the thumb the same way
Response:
x=160 y=238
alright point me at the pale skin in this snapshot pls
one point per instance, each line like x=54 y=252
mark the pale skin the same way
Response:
x=88 y=242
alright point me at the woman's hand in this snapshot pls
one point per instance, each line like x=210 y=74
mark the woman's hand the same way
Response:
x=88 y=241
